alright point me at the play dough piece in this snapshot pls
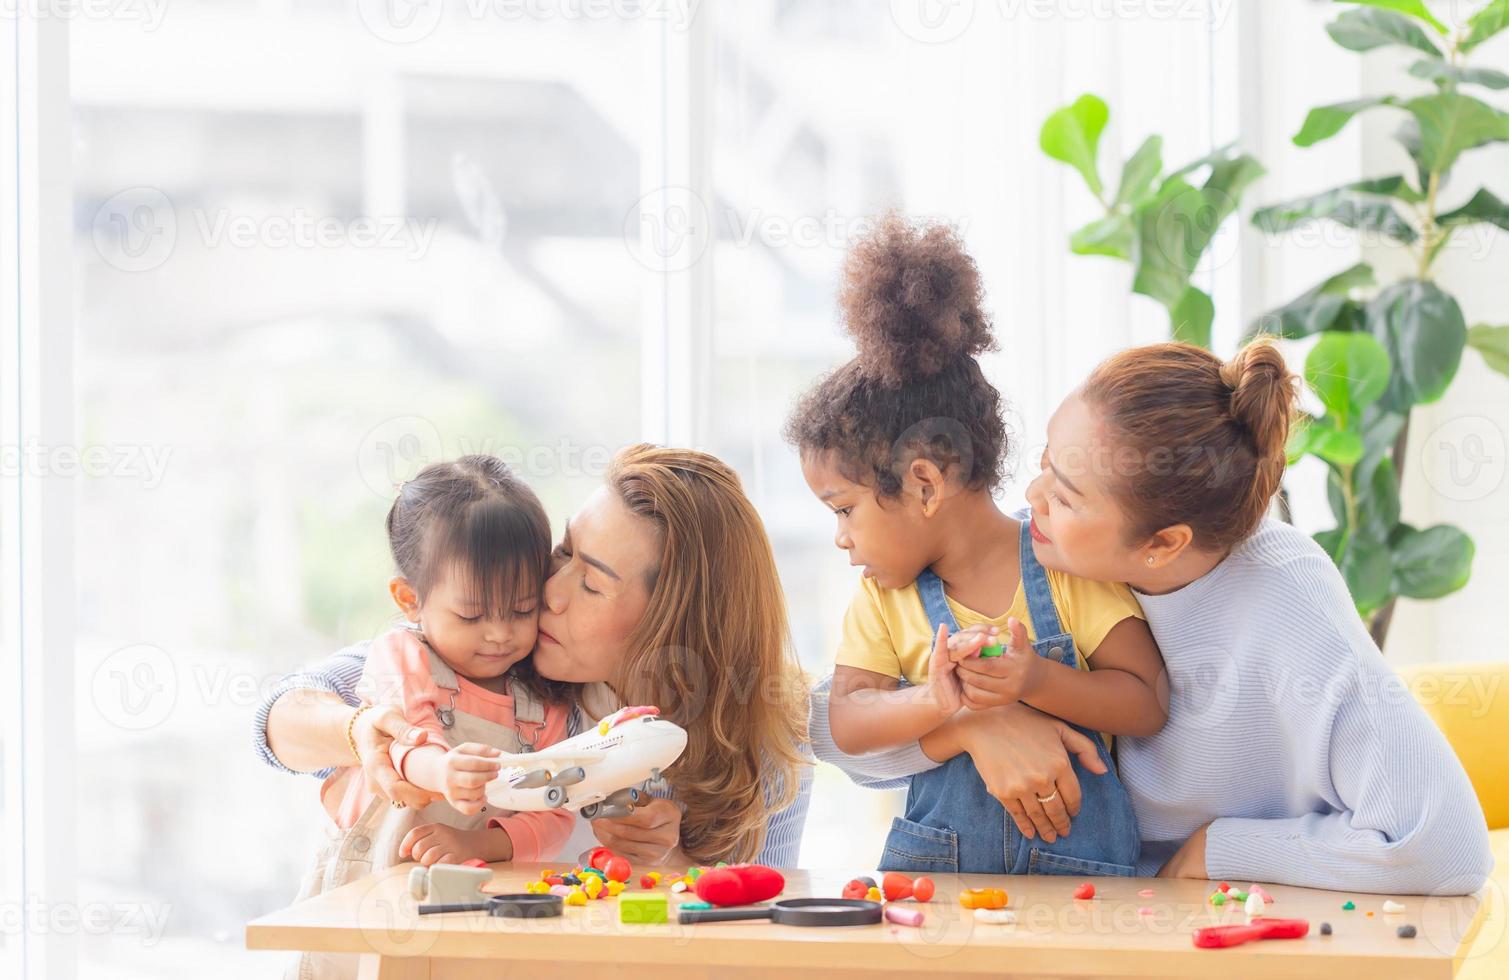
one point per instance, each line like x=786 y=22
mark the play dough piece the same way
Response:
x=740 y=884
x=1085 y=890
x=1390 y=905
x=1255 y=906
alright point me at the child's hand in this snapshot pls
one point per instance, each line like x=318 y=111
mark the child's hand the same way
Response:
x=987 y=682
x=942 y=681
x=968 y=642
x=436 y=843
x=465 y=773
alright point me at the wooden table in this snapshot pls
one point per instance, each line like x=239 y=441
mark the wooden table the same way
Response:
x=1055 y=935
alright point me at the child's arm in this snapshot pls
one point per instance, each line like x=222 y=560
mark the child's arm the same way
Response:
x=1125 y=691
x=869 y=711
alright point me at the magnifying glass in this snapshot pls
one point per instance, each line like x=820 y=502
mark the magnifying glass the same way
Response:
x=794 y=912
x=520 y=906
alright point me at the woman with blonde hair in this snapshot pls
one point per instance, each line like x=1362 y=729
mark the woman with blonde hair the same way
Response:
x=663 y=591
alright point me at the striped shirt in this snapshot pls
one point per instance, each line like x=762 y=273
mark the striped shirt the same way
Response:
x=340 y=672
x=1287 y=729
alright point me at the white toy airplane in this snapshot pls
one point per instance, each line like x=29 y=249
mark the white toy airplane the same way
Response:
x=597 y=773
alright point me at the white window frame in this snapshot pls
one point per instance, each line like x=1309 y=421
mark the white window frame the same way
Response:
x=36 y=510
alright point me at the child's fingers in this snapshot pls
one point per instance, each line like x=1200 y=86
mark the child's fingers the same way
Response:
x=1018 y=634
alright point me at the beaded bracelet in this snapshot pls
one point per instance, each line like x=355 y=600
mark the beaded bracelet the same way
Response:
x=351 y=732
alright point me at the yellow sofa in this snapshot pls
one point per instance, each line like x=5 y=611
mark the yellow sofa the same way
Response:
x=1470 y=703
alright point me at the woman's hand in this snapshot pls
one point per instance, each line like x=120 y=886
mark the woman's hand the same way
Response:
x=375 y=731
x=1189 y=860
x=650 y=835
x=465 y=773
x=1024 y=756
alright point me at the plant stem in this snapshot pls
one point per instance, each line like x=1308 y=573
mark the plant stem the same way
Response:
x=1382 y=619
x=1430 y=232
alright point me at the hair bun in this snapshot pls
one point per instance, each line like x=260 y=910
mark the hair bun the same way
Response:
x=1262 y=395
x=912 y=298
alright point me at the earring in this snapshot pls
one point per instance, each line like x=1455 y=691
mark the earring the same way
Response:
x=1149 y=561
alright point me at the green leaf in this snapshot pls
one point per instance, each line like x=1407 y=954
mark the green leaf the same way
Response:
x=1414 y=8
x=1452 y=123
x=1378 y=502
x=1408 y=135
x=1364 y=30
x=1190 y=318
x=1367 y=566
x=1111 y=235
x=1423 y=330
x=1380 y=428
x=1443 y=74
x=1322 y=308
x=1331 y=541
x=1140 y=171
x=1174 y=228
x=1072 y=135
x=1352 y=206
x=1483 y=207
x=1485 y=24
x=1431 y=563
x=1326 y=121
x=1493 y=344
x=1336 y=446
x=1347 y=372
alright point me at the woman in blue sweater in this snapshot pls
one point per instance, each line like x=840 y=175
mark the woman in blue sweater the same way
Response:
x=1292 y=753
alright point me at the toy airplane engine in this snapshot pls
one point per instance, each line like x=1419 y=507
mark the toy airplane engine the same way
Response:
x=599 y=773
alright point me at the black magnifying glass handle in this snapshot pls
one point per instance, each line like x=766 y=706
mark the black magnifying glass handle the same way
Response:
x=688 y=916
x=464 y=907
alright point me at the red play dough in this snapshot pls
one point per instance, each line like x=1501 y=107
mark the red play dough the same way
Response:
x=1086 y=890
x=617 y=869
x=895 y=886
x=856 y=889
x=739 y=884
x=922 y=889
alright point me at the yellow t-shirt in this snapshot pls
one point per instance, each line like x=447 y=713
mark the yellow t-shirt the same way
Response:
x=887 y=630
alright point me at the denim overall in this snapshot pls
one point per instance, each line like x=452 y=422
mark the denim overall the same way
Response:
x=953 y=825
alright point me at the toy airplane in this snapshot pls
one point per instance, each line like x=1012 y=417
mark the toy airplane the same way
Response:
x=597 y=773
